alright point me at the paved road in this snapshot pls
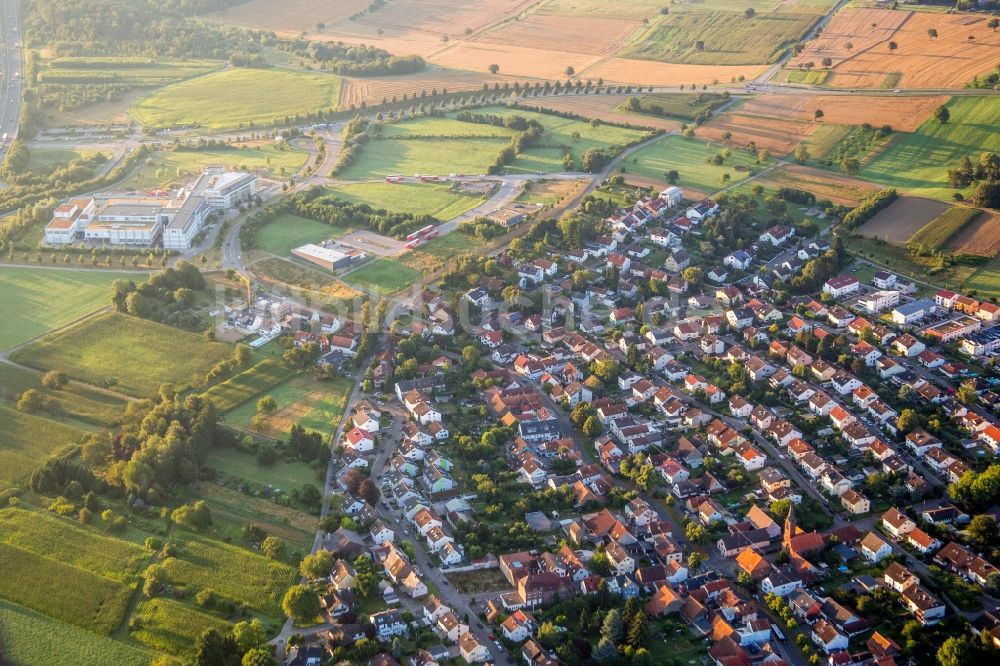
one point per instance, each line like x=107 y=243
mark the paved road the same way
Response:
x=11 y=73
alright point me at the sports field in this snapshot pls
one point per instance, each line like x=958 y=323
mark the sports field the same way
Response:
x=439 y=201
x=36 y=300
x=237 y=97
x=132 y=355
x=27 y=440
x=689 y=157
x=382 y=275
x=289 y=231
x=918 y=163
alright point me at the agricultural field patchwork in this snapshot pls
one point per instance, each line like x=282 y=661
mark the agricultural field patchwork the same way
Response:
x=980 y=237
x=37 y=300
x=903 y=218
x=94 y=352
x=238 y=97
x=720 y=37
x=939 y=232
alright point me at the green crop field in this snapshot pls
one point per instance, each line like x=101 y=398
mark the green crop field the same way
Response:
x=287 y=231
x=935 y=234
x=689 y=157
x=78 y=402
x=726 y=37
x=48 y=535
x=36 y=300
x=439 y=201
x=232 y=572
x=812 y=76
x=236 y=97
x=61 y=590
x=32 y=639
x=918 y=163
x=685 y=107
x=251 y=382
x=27 y=440
x=171 y=166
x=133 y=355
x=383 y=275
x=172 y=627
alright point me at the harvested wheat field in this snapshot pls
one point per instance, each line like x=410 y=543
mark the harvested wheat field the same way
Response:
x=965 y=47
x=838 y=188
x=374 y=90
x=568 y=34
x=980 y=237
x=905 y=114
x=602 y=107
x=407 y=27
x=290 y=16
x=514 y=60
x=902 y=219
x=648 y=72
x=773 y=134
x=850 y=32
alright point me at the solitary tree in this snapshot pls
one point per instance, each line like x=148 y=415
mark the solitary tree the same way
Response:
x=994 y=24
x=932 y=33
x=570 y=71
x=818 y=114
x=893 y=46
x=493 y=68
x=942 y=114
x=750 y=12
x=300 y=603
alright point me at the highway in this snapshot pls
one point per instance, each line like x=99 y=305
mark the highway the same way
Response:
x=11 y=73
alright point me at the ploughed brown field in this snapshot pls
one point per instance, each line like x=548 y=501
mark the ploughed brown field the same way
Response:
x=902 y=219
x=777 y=136
x=980 y=237
x=838 y=188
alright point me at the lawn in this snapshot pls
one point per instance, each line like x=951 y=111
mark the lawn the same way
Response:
x=314 y=405
x=384 y=157
x=26 y=441
x=79 y=402
x=431 y=145
x=49 y=535
x=32 y=639
x=48 y=159
x=285 y=475
x=438 y=201
x=918 y=162
x=237 y=97
x=179 y=165
x=36 y=300
x=689 y=156
x=725 y=37
x=172 y=627
x=288 y=231
x=233 y=572
x=133 y=355
x=62 y=591
x=936 y=234
x=385 y=276
x=245 y=386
